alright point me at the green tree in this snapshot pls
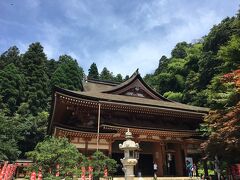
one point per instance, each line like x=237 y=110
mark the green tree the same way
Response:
x=194 y=54
x=93 y=71
x=179 y=50
x=8 y=138
x=176 y=66
x=219 y=94
x=35 y=71
x=53 y=151
x=51 y=67
x=230 y=54
x=34 y=129
x=219 y=35
x=12 y=55
x=168 y=82
x=99 y=161
x=11 y=87
x=68 y=75
x=126 y=77
x=163 y=62
x=118 y=78
x=209 y=66
x=106 y=75
x=152 y=81
x=191 y=87
x=175 y=96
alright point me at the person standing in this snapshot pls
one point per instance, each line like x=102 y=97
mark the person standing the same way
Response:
x=189 y=168
x=194 y=170
x=155 y=167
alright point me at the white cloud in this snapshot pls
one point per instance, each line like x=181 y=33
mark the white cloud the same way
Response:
x=122 y=37
x=22 y=46
x=128 y=58
x=144 y=52
x=32 y=3
x=51 y=39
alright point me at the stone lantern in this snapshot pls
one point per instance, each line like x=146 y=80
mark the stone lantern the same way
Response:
x=129 y=160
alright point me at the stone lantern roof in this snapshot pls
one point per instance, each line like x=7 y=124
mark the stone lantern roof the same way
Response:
x=129 y=144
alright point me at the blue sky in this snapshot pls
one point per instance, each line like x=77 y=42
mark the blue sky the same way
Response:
x=122 y=35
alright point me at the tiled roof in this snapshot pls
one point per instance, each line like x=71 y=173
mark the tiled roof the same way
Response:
x=137 y=101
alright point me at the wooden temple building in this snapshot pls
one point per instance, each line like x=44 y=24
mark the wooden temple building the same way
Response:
x=98 y=116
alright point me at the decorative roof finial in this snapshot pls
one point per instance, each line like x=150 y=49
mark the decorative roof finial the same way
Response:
x=136 y=72
x=128 y=134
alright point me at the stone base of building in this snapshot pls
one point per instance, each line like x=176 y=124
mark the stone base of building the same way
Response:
x=160 y=178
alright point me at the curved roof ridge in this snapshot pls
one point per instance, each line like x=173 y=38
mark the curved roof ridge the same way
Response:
x=98 y=81
x=134 y=76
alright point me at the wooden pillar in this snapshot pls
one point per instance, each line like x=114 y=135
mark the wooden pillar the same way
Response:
x=179 y=160
x=86 y=145
x=17 y=173
x=158 y=157
x=163 y=150
x=110 y=141
x=184 y=146
x=184 y=155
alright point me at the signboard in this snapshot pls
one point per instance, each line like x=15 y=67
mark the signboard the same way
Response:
x=189 y=159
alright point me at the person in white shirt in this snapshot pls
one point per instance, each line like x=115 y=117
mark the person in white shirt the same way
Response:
x=155 y=167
